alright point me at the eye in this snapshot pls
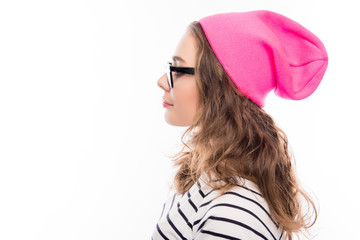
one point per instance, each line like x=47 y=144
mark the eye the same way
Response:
x=178 y=74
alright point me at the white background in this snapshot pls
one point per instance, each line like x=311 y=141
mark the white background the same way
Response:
x=83 y=142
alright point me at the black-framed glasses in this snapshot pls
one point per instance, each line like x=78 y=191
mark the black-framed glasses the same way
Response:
x=178 y=72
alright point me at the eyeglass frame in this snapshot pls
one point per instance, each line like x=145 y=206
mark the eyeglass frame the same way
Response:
x=170 y=69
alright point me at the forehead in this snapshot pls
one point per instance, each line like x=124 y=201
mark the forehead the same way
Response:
x=185 y=52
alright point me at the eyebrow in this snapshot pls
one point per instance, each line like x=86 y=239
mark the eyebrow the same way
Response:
x=177 y=58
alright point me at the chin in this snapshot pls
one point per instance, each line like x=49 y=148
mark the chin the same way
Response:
x=171 y=120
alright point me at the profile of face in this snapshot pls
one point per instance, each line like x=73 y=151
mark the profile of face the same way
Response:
x=181 y=101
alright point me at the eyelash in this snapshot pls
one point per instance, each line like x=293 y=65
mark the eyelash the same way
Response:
x=179 y=74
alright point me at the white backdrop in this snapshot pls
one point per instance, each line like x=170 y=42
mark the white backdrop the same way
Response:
x=83 y=142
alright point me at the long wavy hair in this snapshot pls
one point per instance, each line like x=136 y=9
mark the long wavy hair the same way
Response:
x=232 y=137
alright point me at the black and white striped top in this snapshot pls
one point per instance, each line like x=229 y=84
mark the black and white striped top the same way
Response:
x=240 y=213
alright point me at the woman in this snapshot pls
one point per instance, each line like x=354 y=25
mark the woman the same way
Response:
x=235 y=178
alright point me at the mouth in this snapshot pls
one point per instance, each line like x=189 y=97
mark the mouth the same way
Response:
x=167 y=104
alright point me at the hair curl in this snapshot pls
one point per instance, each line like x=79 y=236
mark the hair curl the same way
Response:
x=233 y=137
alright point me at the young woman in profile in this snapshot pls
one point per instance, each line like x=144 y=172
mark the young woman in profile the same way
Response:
x=235 y=177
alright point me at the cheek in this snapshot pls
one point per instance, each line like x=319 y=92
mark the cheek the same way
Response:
x=186 y=98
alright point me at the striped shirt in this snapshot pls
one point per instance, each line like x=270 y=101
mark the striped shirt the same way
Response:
x=240 y=213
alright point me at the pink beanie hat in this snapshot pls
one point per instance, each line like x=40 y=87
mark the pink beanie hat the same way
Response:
x=263 y=50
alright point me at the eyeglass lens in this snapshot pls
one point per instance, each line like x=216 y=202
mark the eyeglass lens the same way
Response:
x=169 y=75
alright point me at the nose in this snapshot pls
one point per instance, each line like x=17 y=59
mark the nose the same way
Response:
x=163 y=83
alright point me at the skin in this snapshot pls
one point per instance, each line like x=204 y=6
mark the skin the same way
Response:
x=181 y=101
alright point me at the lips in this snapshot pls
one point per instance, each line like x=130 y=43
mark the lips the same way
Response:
x=167 y=103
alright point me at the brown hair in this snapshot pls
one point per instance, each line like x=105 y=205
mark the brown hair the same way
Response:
x=233 y=137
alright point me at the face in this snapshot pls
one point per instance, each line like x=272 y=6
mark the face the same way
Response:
x=181 y=101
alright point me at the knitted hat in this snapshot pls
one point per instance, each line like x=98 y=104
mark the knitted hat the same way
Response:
x=263 y=50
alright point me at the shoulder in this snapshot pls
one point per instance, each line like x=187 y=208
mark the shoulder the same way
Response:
x=240 y=213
